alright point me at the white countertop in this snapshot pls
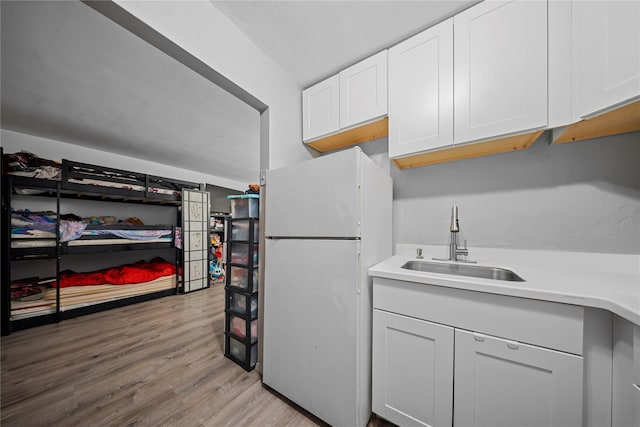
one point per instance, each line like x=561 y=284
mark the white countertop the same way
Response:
x=607 y=281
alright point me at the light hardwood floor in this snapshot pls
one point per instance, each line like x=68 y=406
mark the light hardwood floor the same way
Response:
x=158 y=363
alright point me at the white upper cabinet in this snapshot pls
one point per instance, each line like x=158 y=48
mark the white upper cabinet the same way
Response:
x=321 y=108
x=500 y=75
x=363 y=91
x=559 y=64
x=421 y=91
x=352 y=97
x=606 y=54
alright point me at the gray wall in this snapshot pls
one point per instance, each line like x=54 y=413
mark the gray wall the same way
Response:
x=219 y=201
x=582 y=196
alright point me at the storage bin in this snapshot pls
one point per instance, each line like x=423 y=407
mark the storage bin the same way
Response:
x=238 y=327
x=238 y=350
x=239 y=278
x=240 y=230
x=245 y=206
x=243 y=304
x=240 y=253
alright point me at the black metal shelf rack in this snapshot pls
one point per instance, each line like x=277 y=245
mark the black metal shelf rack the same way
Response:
x=241 y=292
x=56 y=250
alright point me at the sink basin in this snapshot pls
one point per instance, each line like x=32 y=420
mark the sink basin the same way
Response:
x=464 y=270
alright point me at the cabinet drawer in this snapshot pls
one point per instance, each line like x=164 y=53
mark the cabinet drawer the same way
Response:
x=240 y=230
x=238 y=326
x=242 y=277
x=240 y=253
x=242 y=303
x=546 y=324
x=243 y=352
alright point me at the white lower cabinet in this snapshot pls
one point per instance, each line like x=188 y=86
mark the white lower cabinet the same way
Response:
x=497 y=382
x=452 y=357
x=412 y=370
x=636 y=358
x=625 y=400
x=500 y=382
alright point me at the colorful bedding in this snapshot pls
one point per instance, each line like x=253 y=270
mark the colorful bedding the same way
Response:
x=34 y=296
x=41 y=227
x=139 y=272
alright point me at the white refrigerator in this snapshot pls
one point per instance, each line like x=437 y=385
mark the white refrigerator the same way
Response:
x=327 y=221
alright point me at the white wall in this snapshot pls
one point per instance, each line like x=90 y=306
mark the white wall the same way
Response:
x=57 y=150
x=201 y=29
x=582 y=196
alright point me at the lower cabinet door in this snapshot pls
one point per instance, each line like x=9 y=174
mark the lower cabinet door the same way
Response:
x=625 y=397
x=505 y=383
x=412 y=370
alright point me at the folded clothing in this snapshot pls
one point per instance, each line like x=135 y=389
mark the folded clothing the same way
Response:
x=25 y=224
x=28 y=289
x=28 y=164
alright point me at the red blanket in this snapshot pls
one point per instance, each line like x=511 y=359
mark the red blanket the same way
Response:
x=139 y=272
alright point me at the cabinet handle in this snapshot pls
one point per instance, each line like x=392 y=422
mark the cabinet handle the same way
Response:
x=478 y=337
x=636 y=386
x=513 y=345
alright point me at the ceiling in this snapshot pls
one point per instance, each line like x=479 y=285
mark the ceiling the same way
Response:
x=71 y=74
x=313 y=40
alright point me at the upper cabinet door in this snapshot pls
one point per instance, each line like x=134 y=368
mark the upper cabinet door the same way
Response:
x=321 y=109
x=421 y=91
x=363 y=91
x=606 y=54
x=500 y=80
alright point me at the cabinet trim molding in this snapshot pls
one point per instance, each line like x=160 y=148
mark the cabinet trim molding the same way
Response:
x=367 y=132
x=466 y=151
x=621 y=120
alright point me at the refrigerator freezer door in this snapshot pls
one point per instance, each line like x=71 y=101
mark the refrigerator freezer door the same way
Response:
x=313 y=309
x=316 y=198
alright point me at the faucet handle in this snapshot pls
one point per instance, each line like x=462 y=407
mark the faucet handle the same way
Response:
x=419 y=253
x=465 y=252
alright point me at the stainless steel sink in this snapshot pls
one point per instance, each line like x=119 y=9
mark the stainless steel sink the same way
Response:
x=464 y=270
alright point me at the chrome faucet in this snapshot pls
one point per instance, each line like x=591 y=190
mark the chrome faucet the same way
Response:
x=454 y=250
